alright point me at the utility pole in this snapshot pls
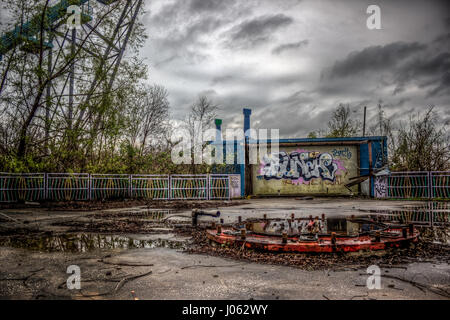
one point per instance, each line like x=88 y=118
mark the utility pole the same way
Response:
x=364 y=122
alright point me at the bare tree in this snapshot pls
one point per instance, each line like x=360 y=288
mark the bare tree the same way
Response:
x=201 y=118
x=148 y=117
x=423 y=145
x=384 y=127
x=341 y=124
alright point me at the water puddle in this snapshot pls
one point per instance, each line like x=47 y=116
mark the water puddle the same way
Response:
x=144 y=214
x=85 y=242
x=431 y=214
x=432 y=218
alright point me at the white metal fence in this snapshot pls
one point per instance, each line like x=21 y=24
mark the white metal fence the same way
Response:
x=413 y=184
x=83 y=186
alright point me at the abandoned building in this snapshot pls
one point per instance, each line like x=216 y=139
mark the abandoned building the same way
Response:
x=311 y=166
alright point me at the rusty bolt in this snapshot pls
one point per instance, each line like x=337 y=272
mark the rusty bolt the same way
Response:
x=378 y=236
x=285 y=237
x=404 y=232
x=219 y=229
x=333 y=238
x=243 y=233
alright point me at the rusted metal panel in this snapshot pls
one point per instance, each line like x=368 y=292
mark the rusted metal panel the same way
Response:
x=340 y=240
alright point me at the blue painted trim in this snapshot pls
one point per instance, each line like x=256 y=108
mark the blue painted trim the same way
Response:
x=310 y=140
x=242 y=173
x=372 y=187
x=364 y=160
x=247 y=113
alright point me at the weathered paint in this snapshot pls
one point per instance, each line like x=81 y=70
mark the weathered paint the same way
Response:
x=235 y=186
x=380 y=187
x=368 y=153
x=324 y=244
x=307 y=170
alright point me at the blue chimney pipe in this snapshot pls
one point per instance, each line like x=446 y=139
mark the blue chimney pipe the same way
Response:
x=247 y=113
x=218 y=123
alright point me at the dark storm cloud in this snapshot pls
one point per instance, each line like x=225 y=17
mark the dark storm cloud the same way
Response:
x=252 y=32
x=290 y=46
x=209 y=5
x=222 y=79
x=251 y=54
x=397 y=64
x=447 y=21
x=374 y=58
x=430 y=71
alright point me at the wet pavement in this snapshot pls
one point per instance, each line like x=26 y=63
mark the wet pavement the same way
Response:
x=86 y=242
x=37 y=245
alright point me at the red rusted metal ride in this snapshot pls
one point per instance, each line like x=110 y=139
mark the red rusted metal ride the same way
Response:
x=315 y=235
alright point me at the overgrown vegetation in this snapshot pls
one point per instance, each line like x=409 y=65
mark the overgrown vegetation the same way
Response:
x=120 y=125
x=125 y=126
x=420 y=144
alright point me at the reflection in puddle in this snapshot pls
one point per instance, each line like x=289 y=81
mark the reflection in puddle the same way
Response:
x=147 y=214
x=430 y=214
x=433 y=218
x=84 y=242
x=157 y=215
x=150 y=214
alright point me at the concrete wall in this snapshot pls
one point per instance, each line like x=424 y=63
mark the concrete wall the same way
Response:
x=307 y=170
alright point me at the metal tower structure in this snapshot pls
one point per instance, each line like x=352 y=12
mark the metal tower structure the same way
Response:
x=98 y=45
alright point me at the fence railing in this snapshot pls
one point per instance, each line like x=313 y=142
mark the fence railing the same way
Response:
x=414 y=184
x=84 y=186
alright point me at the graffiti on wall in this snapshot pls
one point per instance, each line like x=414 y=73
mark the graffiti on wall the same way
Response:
x=346 y=153
x=235 y=186
x=301 y=166
x=380 y=187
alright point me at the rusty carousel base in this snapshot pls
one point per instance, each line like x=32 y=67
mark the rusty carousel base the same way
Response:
x=387 y=237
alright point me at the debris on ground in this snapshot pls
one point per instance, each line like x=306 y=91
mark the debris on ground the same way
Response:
x=93 y=205
x=420 y=252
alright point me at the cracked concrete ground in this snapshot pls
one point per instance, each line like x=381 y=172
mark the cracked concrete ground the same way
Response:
x=113 y=273
x=177 y=275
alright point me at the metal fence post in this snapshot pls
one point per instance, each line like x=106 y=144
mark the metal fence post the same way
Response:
x=208 y=187
x=229 y=187
x=431 y=211
x=430 y=184
x=170 y=187
x=130 y=186
x=89 y=187
x=45 y=186
x=388 y=183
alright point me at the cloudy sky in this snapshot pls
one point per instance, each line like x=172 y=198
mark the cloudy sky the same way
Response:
x=293 y=61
